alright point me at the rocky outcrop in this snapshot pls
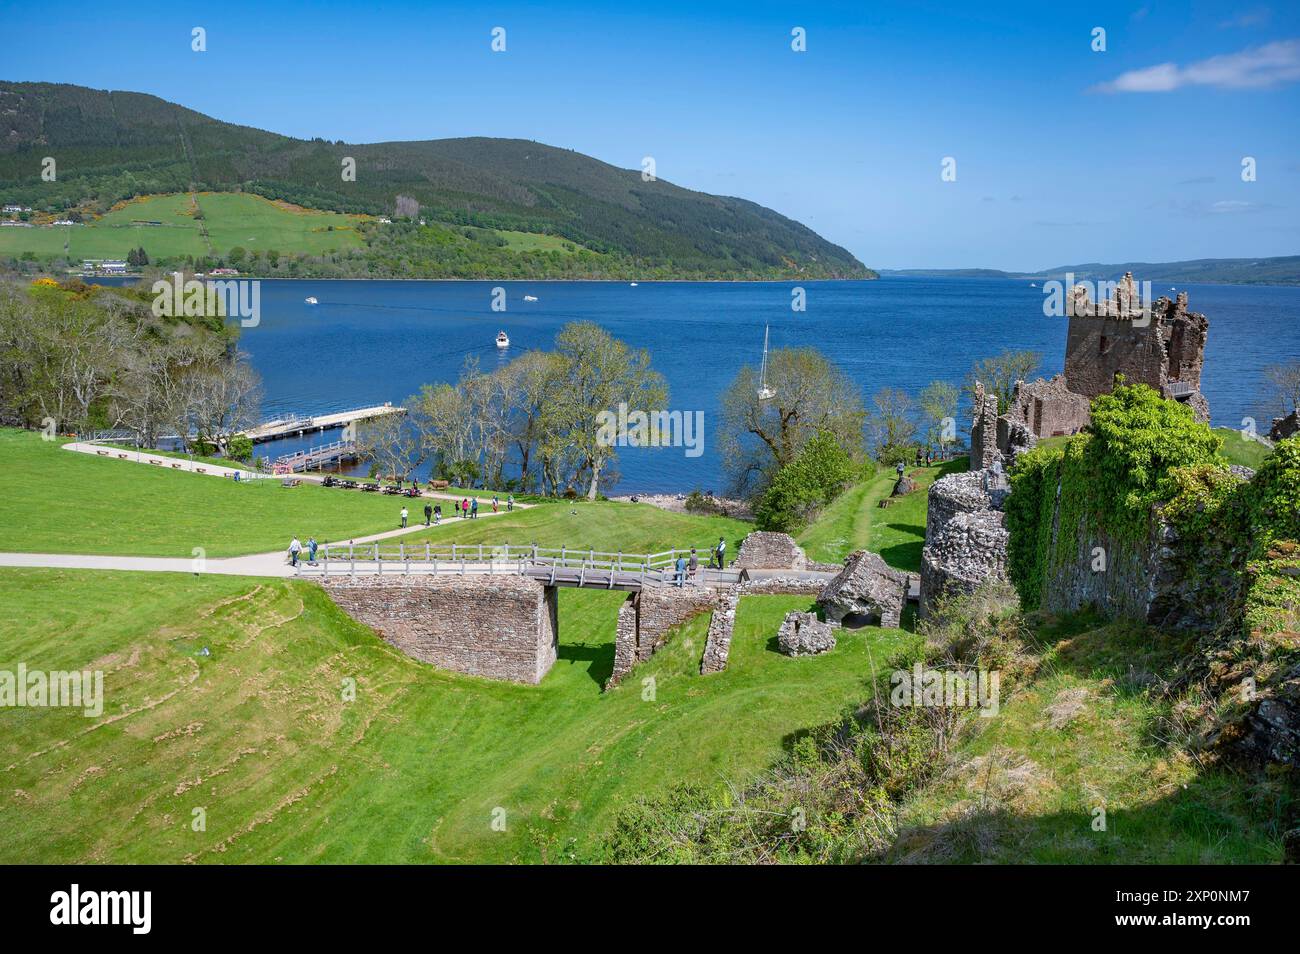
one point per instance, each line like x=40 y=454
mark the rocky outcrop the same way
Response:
x=965 y=534
x=867 y=586
x=765 y=550
x=803 y=634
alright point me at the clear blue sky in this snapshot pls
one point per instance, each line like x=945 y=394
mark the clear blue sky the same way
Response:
x=1063 y=154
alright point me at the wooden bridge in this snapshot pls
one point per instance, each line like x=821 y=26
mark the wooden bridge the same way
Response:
x=552 y=566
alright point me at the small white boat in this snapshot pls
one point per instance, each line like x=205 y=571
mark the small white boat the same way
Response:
x=503 y=340
x=530 y=298
x=633 y=284
x=1033 y=284
x=312 y=301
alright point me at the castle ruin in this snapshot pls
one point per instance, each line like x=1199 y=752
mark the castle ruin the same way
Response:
x=1162 y=346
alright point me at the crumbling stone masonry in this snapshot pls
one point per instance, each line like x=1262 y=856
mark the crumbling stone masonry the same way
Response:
x=501 y=627
x=803 y=634
x=965 y=534
x=645 y=618
x=1048 y=408
x=721 y=627
x=984 y=429
x=765 y=550
x=867 y=586
x=1164 y=350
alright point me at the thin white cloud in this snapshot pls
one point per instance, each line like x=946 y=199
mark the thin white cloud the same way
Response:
x=1256 y=68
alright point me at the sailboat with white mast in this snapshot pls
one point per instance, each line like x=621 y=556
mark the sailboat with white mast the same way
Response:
x=765 y=393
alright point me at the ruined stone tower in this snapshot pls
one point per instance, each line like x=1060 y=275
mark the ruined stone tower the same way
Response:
x=1163 y=348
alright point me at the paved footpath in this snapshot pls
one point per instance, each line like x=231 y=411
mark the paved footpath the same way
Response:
x=256 y=564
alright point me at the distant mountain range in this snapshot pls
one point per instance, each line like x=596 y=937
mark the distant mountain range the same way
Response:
x=111 y=146
x=1283 y=270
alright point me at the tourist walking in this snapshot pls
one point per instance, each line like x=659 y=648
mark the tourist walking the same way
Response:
x=437 y=514
x=311 y=550
x=473 y=509
x=510 y=503
x=295 y=547
x=720 y=551
x=494 y=503
x=464 y=507
x=403 y=516
x=694 y=566
x=428 y=514
x=680 y=578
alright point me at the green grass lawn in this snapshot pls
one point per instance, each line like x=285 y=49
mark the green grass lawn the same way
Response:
x=605 y=526
x=257 y=736
x=57 y=501
x=856 y=521
x=1239 y=449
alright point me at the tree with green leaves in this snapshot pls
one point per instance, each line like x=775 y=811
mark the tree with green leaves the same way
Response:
x=758 y=436
x=600 y=373
x=938 y=403
x=999 y=375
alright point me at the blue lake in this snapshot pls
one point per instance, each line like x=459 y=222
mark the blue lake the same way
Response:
x=368 y=342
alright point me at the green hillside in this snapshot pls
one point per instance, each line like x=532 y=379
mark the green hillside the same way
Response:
x=112 y=146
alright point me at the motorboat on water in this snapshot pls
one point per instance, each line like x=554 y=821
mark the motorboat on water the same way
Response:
x=633 y=284
x=312 y=300
x=503 y=340
x=530 y=298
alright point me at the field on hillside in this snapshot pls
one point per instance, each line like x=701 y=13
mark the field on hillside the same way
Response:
x=232 y=219
x=256 y=737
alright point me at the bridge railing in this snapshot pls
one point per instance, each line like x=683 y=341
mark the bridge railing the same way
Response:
x=505 y=557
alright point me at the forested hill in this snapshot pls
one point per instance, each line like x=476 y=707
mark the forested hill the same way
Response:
x=111 y=146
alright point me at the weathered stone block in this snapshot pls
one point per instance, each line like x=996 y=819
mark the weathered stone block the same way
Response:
x=803 y=634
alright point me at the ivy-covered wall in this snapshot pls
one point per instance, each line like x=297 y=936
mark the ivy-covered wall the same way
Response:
x=1141 y=517
x=1083 y=515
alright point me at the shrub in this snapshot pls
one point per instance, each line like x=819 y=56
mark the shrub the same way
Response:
x=805 y=485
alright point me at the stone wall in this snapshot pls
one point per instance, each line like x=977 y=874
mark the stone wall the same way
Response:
x=721 y=627
x=502 y=627
x=646 y=617
x=785 y=585
x=1048 y=408
x=965 y=534
x=765 y=550
x=984 y=429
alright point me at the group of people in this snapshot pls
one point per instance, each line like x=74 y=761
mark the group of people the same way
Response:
x=296 y=548
x=690 y=568
x=467 y=508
